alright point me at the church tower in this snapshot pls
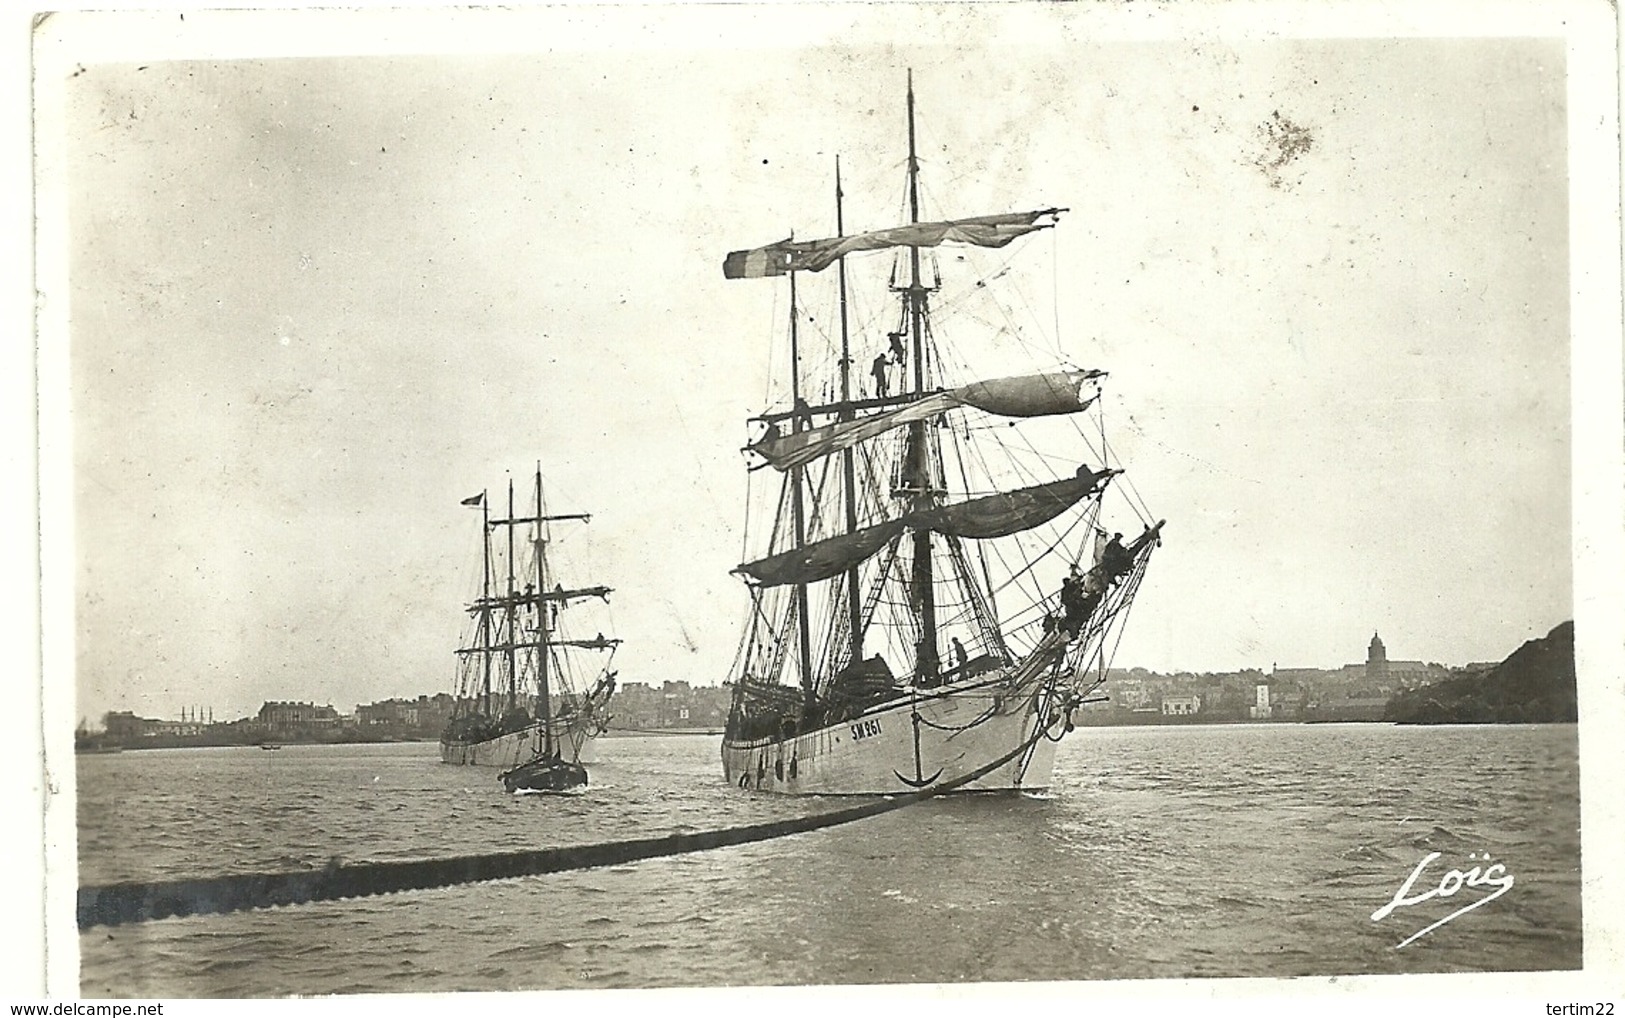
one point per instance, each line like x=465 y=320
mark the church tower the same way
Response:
x=1376 y=660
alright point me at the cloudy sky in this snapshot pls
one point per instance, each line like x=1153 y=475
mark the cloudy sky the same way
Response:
x=315 y=301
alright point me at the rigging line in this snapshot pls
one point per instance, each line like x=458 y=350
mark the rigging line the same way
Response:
x=952 y=314
x=1055 y=288
x=986 y=606
x=131 y=902
x=1125 y=605
x=958 y=305
x=781 y=643
x=740 y=663
x=1042 y=602
x=1100 y=420
x=772 y=347
x=993 y=591
x=1136 y=501
x=1026 y=304
x=1044 y=554
x=963 y=294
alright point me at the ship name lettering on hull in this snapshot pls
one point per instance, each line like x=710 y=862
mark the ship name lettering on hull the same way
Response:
x=864 y=729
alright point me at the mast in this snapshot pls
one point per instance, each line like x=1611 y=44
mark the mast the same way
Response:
x=926 y=655
x=485 y=611
x=854 y=606
x=513 y=635
x=544 y=707
x=803 y=634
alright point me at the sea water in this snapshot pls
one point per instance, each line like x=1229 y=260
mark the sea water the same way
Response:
x=1188 y=851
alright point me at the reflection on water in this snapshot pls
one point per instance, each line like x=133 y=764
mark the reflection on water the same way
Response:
x=1242 y=850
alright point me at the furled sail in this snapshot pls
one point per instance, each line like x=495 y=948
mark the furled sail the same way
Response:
x=802 y=447
x=815 y=255
x=1059 y=392
x=997 y=515
x=1008 y=512
x=599 y=642
x=821 y=559
x=560 y=594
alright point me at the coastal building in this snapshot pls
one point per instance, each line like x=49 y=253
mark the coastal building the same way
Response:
x=639 y=706
x=288 y=716
x=123 y=725
x=1384 y=677
x=1260 y=709
x=1181 y=705
x=426 y=714
x=1376 y=661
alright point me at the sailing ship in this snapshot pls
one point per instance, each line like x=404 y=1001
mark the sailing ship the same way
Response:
x=932 y=597
x=527 y=702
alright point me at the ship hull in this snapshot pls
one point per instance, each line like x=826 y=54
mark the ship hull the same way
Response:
x=889 y=750
x=511 y=750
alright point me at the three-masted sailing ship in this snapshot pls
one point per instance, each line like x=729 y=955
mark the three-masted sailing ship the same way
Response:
x=525 y=696
x=931 y=595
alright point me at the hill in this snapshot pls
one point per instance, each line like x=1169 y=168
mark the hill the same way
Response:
x=1535 y=684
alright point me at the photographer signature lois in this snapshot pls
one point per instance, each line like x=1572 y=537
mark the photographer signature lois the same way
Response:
x=1495 y=876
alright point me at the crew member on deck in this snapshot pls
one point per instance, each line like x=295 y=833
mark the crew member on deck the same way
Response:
x=959 y=654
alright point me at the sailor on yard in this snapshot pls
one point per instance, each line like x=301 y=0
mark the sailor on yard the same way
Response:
x=1116 y=559
x=1072 y=600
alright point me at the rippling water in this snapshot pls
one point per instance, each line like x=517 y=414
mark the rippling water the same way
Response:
x=1240 y=850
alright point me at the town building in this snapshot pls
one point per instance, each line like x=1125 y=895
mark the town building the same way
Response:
x=1260 y=709
x=424 y=715
x=673 y=704
x=288 y=717
x=1181 y=705
x=124 y=725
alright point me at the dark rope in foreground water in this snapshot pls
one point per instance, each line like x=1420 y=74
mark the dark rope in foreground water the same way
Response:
x=115 y=904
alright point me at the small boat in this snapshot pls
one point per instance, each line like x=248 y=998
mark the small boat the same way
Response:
x=269 y=745
x=545 y=774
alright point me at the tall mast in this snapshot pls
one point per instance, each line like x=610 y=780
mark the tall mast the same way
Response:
x=926 y=657
x=854 y=605
x=485 y=599
x=544 y=708
x=802 y=631
x=513 y=636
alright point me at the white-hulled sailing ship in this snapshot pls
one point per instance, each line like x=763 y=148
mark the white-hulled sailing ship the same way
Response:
x=930 y=593
x=525 y=693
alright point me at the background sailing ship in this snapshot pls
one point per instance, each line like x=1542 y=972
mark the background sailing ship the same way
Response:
x=908 y=620
x=523 y=692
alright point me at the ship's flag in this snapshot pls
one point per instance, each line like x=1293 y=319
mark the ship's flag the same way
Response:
x=475 y=499
x=817 y=255
x=772 y=260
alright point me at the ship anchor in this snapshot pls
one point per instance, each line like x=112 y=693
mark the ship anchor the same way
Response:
x=918 y=781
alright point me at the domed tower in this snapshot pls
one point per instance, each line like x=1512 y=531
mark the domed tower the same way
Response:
x=1376 y=660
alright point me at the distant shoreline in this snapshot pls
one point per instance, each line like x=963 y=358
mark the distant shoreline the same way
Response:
x=1148 y=721
x=104 y=745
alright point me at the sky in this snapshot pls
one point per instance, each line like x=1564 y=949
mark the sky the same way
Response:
x=313 y=302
